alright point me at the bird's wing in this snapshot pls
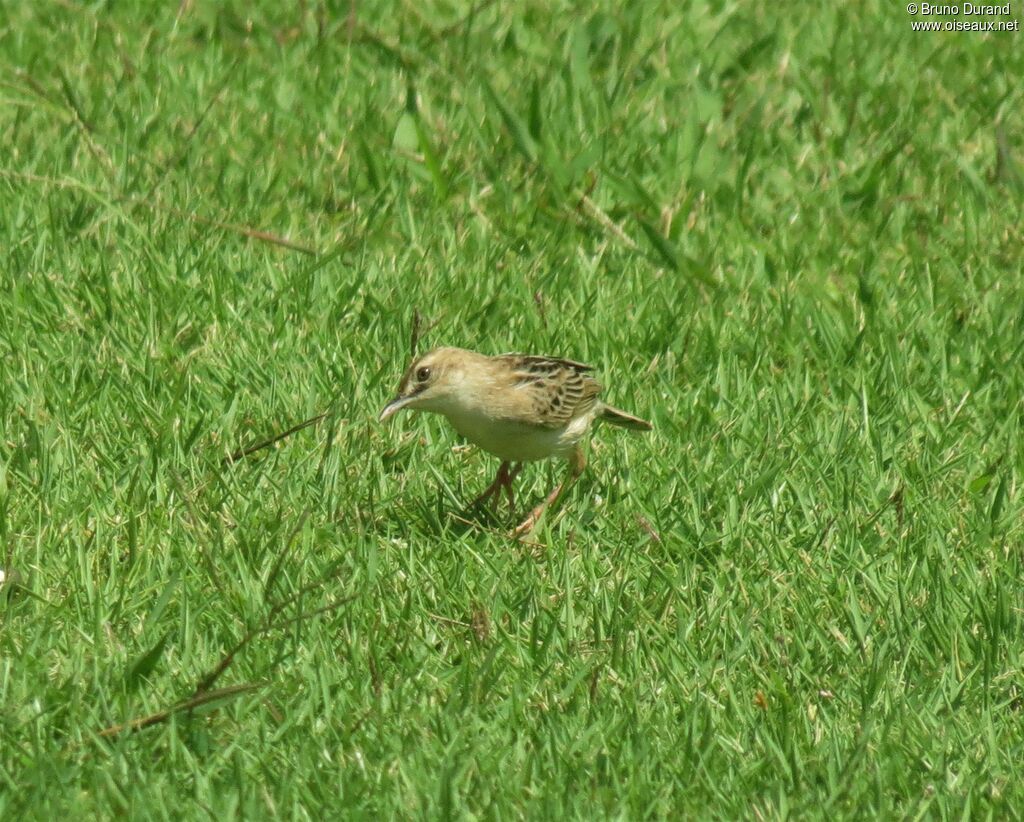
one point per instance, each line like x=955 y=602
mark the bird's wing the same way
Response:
x=557 y=390
x=531 y=360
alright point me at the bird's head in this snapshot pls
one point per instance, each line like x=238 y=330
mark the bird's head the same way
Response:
x=429 y=384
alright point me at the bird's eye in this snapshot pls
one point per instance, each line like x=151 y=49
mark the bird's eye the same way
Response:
x=422 y=374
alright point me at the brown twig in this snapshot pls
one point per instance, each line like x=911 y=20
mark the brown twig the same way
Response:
x=644 y=523
x=252 y=449
x=449 y=620
x=204 y=692
x=207 y=681
x=351 y=21
x=187 y=142
x=189 y=704
x=197 y=523
x=538 y=300
x=448 y=31
x=74 y=109
x=245 y=231
x=414 y=333
x=269 y=624
x=418 y=332
x=275 y=569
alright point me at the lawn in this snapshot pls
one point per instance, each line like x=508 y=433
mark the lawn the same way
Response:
x=791 y=238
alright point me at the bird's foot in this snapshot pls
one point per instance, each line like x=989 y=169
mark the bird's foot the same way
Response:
x=489 y=493
x=528 y=524
x=576 y=464
x=523 y=529
x=503 y=479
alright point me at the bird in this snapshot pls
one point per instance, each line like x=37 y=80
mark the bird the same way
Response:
x=519 y=407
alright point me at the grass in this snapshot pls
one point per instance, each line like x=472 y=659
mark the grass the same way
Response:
x=790 y=238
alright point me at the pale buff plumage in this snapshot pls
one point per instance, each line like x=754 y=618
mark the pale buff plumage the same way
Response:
x=518 y=407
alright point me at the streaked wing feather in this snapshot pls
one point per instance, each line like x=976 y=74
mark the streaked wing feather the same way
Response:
x=560 y=390
x=542 y=363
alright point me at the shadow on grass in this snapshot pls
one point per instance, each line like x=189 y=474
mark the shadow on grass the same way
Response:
x=443 y=511
x=437 y=514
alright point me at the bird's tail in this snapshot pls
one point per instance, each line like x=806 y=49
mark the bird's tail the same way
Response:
x=618 y=417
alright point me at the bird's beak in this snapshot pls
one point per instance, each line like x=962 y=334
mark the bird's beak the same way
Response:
x=397 y=404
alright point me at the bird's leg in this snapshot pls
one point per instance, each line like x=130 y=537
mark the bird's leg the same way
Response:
x=577 y=462
x=511 y=475
x=502 y=480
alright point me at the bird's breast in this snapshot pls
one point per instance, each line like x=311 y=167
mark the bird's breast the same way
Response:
x=513 y=441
